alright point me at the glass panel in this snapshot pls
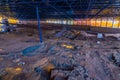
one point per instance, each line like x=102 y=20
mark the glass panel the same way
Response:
x=104 y=22
x=88 y=22
x=116 y=22
x=98 y=22
x=109 y=22
x=79 y=22
x=93 y=22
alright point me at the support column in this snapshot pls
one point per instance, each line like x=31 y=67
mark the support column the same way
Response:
x=39 y=27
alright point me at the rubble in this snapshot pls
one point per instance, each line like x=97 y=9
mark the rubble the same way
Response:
x=68 y=46
x=115 y=58
x=59 y=74
x=79 y=73
x=20 y=76
x=16 y=60
x=98 y=42
x=71 y=34
x=10 y=73
x=21 y=63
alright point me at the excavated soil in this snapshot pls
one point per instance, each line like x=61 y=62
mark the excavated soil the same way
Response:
x=74 y=55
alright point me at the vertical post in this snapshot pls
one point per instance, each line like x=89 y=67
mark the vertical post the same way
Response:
x=39 y=27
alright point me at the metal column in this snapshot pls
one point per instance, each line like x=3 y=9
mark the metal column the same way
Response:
x=39 y=27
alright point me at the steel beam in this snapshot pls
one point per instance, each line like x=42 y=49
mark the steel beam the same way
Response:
x=104 y=7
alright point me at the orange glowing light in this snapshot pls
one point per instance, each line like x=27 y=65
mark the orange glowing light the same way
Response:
x=96 y=22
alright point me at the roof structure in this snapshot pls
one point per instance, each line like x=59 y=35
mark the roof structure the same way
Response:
x=60 y=9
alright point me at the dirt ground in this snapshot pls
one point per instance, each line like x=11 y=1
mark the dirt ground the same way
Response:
x=83 y=57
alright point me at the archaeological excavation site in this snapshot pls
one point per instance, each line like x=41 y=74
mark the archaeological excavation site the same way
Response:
x=59 y=39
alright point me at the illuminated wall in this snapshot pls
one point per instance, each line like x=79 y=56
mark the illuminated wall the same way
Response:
x=10 y=19
x=13 y=20
x=95 y=22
